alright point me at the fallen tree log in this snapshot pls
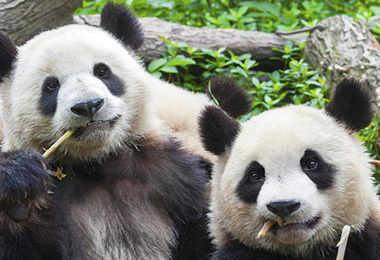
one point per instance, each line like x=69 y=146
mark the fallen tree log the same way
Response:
x=22 y=19
x=345 y=48
x=259 y=44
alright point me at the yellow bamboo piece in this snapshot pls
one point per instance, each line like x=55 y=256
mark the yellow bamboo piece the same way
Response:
x=58 y=143
x=265 y=228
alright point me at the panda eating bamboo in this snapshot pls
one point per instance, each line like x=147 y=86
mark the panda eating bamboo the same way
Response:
x=287 y=181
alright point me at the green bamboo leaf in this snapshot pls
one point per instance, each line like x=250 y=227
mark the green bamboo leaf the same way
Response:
x=156 y=64
x=170 y=69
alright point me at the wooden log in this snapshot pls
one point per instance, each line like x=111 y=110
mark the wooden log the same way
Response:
x=22 y=19
x=259 y=44
x=346 y=48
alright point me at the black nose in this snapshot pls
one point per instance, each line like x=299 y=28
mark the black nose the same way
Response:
x=283 y=208
x=89 y=108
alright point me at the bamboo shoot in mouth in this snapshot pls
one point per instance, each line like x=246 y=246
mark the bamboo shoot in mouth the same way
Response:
x=58 y=143
x=264 y=230
x=267 y=225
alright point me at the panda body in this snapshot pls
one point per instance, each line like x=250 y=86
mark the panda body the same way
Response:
x=298 y=165
x=131 y=191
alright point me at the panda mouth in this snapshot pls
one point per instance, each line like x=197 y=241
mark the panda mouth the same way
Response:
x=287 y=227
x=308 y=224
x=95 y=125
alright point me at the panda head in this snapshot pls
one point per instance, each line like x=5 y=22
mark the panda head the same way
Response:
x=296 y=165
x=71 y=77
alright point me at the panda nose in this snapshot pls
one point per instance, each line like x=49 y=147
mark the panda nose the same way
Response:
x=89 y=108
x=283 y=208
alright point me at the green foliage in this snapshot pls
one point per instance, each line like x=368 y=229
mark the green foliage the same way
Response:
x=370 y=138
x=192 y=68
x=296 y=84
x=267 y=16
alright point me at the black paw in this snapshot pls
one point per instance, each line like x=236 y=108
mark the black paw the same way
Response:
x=23 y=180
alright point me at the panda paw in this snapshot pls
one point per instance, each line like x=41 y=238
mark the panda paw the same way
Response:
x=24 y=183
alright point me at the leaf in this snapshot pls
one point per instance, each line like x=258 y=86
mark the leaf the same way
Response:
x=275 y=76
x=157 y=74
x=180 y=60
x=170 y=69
x=267 y=99
x=240 y=71
x=182 y=45
x=249 y=64
x=242 y=10
x=221 y=50
x=172 y=50
x=255 y=82
x=166 y=40
x=156 y=64
x=245 y=56
x=264 y=7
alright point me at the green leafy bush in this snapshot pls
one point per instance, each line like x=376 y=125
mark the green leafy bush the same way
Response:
x=267 y=16
x=192 y=69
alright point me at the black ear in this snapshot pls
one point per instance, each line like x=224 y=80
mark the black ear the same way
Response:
x=232 y=98
x=8 y=53
x=123 y=24
x=217 y=130
x=351 y=104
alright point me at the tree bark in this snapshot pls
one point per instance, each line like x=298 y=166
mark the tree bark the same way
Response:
x=22 y=19
x=346 y=48
x=259 y=44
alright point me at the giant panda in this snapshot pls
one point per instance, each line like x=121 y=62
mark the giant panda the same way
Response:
x=130 y=191
x=301 y=170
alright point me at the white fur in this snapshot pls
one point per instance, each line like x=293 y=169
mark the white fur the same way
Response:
x=277 y=139
x=177 y=108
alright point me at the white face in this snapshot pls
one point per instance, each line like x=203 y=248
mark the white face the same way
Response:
x=59 y=69
x=295 y=165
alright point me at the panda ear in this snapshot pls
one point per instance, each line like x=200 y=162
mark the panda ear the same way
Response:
x=232 y=98
x=123 y=24
x=351 y=104
x=8 y=53
x=217 y=130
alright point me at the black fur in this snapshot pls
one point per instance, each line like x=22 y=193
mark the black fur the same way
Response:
x=249 y=187
x=323 y=174
x=123 y=24
x=23 y=181
x=232 y=98
x=206 y=165
x=361 y=246
x=48 y=101
x=235 y=250
x=21 y=175
x=163 y=178
x=113 y=83
x=217 y=130
x=351 y=104
x=8 y=53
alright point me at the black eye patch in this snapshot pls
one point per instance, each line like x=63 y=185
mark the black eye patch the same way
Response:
x=113 y=83
x=48 y=101
x=319 y=171
x=249 y=187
